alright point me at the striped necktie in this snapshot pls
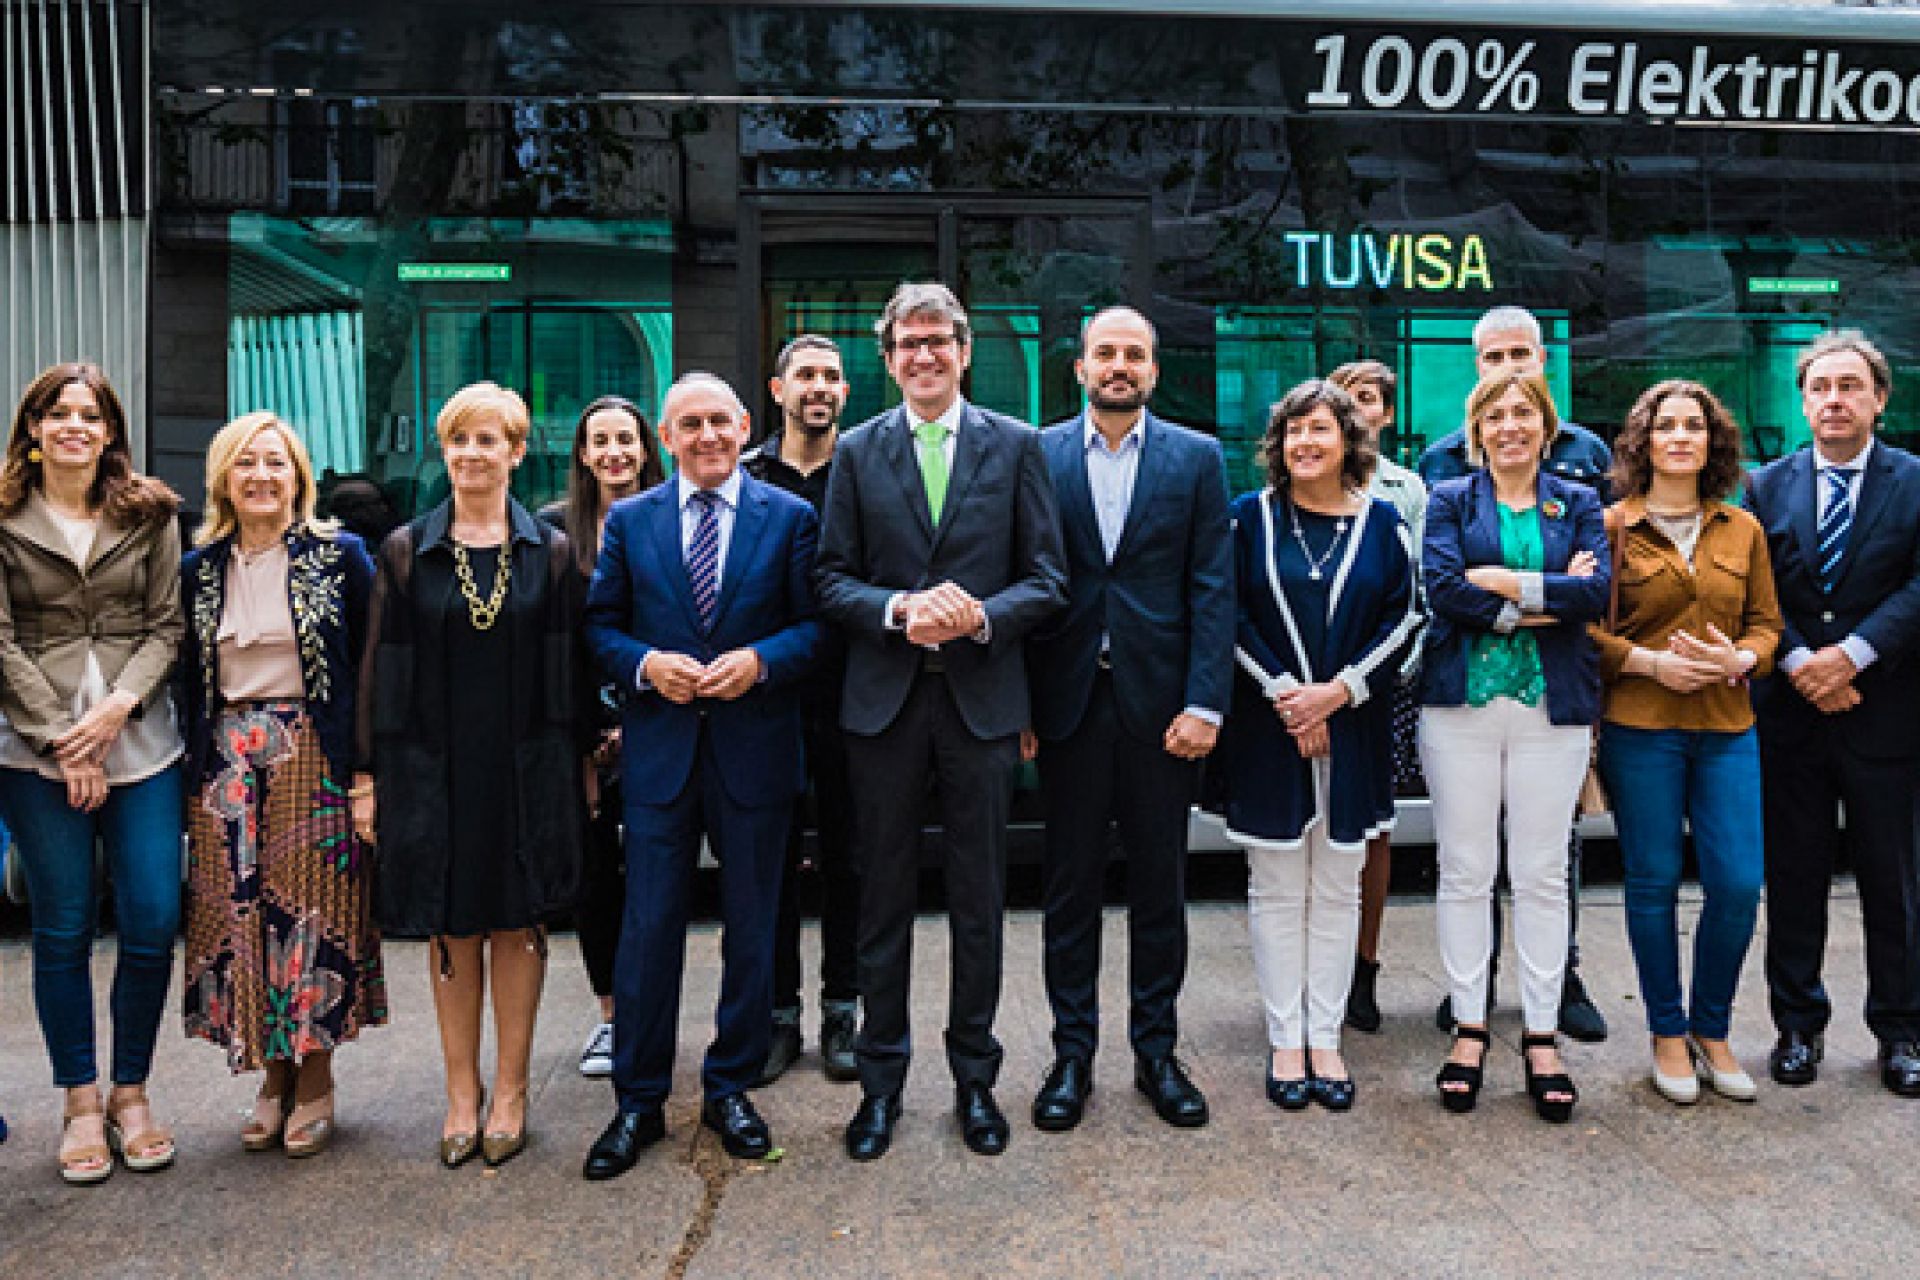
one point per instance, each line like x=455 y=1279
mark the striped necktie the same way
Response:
x=1836 y=523
x=703 y=556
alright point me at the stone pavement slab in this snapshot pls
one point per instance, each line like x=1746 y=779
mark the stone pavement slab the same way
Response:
x=1821 y=1181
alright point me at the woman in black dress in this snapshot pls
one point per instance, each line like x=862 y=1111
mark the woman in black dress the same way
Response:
x=470 y=702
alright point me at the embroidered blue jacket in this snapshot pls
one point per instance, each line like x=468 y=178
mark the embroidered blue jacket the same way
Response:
x=329 y=583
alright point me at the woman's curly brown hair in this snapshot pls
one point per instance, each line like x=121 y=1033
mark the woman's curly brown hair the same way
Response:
x=119 y=493
x=1357 y=460
x=1632 y=448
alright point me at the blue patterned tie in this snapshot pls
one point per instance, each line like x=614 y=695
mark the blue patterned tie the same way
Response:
x=1835 y=524
x=703 y=556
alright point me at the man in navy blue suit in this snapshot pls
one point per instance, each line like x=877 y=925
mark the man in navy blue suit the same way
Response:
x=1840 y=719
x=702 y=605
x=1129 y=689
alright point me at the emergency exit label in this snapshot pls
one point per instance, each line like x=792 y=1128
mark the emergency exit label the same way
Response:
x=441 y=271
x=1792 y=284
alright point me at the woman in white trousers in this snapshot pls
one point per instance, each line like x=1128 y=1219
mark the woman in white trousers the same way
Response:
x=1327 y=614
x=1515 y=565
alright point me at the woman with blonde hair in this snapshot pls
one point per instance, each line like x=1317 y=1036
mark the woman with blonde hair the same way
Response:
x=1515 y=567
x=283 y=961
x=89 y=625
x=472 y=758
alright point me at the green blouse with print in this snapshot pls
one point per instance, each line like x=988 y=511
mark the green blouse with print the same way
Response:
x=1508 y=666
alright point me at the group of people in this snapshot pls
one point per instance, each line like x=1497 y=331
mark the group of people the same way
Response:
x=496 y=720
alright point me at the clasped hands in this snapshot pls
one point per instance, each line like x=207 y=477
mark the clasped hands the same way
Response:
x=680 y=678
x=82 y=750
x=1305 y=710
x=942 y=613
x=1689 y=663
x=1826 y=680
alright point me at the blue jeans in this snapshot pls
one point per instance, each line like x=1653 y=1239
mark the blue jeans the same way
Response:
x=1656 y=779
x=139 y=825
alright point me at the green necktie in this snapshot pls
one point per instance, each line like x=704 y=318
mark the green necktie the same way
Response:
x=932 y=438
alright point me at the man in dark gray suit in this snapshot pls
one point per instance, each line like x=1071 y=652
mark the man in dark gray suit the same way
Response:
x=940 y=555
x=1130 y=686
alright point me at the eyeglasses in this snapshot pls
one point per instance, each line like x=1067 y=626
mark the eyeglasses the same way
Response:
x=938 y=344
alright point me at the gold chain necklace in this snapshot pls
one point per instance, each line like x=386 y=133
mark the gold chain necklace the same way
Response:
x=483 y=612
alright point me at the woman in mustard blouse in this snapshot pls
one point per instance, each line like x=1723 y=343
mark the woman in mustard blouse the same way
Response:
x=1694 y=617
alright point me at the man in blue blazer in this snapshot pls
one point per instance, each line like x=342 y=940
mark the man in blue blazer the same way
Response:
x=940 y=556
x=702 y=606
x=1840 y=720
x=1129 y=689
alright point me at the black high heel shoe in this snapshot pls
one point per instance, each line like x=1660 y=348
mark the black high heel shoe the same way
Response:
x=1462 y=1100
x=1288 y=1095
x=1539 y=1087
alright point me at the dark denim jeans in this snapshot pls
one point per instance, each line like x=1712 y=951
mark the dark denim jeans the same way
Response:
x=139 y=826
x=1658 y=779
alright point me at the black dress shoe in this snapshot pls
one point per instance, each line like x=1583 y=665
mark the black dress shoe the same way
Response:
x=870 y=1132
x=783 y=1050
x=1363 y=1004
x=1579 y=1018
x=839 y=1028
x=1795 y=1059
x=742 y=1132
x=1176 y=1098
x=1062 y=1099
x=1900 y=1067
x=1288 y=1095
x=621 y=1142
x=1334 y=1095
x=981 y=1123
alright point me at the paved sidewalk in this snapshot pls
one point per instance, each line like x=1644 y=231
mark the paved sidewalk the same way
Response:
x=1817 y=1181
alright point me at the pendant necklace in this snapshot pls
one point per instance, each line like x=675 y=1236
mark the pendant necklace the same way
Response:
x=1314 y=563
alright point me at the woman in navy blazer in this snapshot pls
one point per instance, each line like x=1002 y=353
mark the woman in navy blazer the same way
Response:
x=283 y=960
x=1327 y=614
x=1516 y=566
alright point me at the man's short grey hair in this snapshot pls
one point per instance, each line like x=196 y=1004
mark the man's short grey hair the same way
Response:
x=1506 y=320
x=927 y=299
x=1835 y=341
x=699 y=380
x=1153 y=334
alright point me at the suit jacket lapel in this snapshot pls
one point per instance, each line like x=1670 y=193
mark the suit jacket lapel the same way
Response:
x=1077 y=517
x=1146 y=477
x=898 y=449
x=1556 y=535
x=107 y=539
x=1483 y=529
x=1804 y=504
x=666 y=545
x=34 y=522
x=749 y=522
x=1874 y=485
x=970 y=446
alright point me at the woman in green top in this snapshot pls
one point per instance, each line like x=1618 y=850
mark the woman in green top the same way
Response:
x=1515 y=566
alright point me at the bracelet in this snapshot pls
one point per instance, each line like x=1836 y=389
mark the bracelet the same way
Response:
x=354 y=793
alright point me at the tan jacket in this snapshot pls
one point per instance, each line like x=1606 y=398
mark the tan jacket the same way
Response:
x=124 y=605
x=1730 y=584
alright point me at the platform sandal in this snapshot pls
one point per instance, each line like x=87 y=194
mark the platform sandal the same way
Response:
x=1541 y=1088
x=83 y=1166
x=1463 y=1099
x=148 y=1150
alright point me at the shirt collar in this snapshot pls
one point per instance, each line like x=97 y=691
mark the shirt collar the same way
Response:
x=1858 y=462
x=1135 y=439
x=729 y=489
x=950 y=419
x=437 y=524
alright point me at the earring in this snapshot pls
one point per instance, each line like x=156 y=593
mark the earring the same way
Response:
x=34 y=455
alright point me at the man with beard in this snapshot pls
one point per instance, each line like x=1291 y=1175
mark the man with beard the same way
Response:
x=1129 y=688
x=811 y=388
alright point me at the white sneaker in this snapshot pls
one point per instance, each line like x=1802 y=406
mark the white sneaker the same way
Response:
x=596 y=1060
